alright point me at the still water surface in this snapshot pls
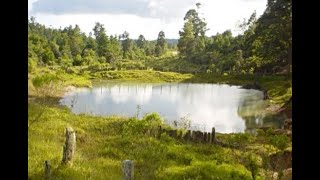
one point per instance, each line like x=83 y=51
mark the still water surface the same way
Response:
x=202 y=106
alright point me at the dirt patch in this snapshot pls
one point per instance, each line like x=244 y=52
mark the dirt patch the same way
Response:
x=281 y=160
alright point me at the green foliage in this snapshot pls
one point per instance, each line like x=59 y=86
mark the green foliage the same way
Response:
x=70 y=45
x=263 y=47
x=161 y=44
x=32 y=65
x=45 y=79
x=141 y=42
x=142 y=76
x=95 y=66
x=205 y=170
x=240 y=139
x=103 y=142
x=127 y=45
x=280 y=141
x=253 y=163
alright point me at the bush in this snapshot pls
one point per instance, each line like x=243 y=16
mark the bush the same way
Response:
x=45 y=79
x=96 y=66
x=32 y=65
x=279 y=141
x=152 y=117
x=252 y=162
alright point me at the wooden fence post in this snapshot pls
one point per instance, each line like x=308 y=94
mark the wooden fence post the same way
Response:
x=193 y=135
x=127 y=170
x=69 y=147
x=188 y=135
x=205 y=137
x=47 y=170
x=213 y=135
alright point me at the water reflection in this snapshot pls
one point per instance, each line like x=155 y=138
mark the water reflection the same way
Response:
x=227 y=108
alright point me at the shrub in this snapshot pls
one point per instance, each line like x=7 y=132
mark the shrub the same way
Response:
x=279 y=141
x=45 y=79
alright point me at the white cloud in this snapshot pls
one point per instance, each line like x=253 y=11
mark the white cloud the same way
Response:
x=166 y=15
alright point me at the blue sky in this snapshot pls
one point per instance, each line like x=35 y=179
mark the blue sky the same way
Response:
x=146 y=17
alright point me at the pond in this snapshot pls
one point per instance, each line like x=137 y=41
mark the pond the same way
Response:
x=195 y=106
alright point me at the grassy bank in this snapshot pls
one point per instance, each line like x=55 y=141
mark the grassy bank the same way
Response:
x=141 y=76
x=104 y=142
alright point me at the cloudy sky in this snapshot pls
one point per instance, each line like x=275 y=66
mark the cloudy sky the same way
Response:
x=145 y=17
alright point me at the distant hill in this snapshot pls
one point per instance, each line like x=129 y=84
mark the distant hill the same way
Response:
x=172 y=42
x=169 y=41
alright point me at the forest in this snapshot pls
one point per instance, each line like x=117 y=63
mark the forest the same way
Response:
x=264 y=46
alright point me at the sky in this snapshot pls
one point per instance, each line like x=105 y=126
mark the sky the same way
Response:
x=146 y=17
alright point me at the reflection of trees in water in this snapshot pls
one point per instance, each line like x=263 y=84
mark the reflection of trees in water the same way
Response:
x=251 y=110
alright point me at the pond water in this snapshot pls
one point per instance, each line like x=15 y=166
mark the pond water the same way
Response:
x=194 y=106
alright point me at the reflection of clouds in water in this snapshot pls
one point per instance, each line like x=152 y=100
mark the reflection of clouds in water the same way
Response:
x=139 y=94
x=207 y=105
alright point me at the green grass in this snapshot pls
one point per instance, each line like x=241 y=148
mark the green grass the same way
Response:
x=141 y=76
x=172 y=63
x=45 y=75
x=104 y=142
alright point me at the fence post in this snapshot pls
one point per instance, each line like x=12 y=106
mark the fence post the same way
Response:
x=69 y=147
x=213 y=135
x=188 y=135
x=47 y=169
x=127 y=170
x=205 y=137
x=193 y=135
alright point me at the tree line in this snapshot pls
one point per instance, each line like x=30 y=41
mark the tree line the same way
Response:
x=264 y=45
x=71 y=47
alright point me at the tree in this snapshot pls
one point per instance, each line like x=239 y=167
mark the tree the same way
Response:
x=199 y=25
x=90 y=43
x=75 y=41
x=126 y=44
x=47 y=56
x=161 y=44
x=274 y=35
x=186 y=40
x=89 y=56
x=114 y=51
x=192 y=38
x=141 y=42
x=101 y=39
